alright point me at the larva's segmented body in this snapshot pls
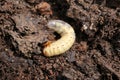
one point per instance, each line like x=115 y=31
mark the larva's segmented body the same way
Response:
x=64 y=43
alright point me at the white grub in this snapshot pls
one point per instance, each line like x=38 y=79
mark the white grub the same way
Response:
x=64 y=43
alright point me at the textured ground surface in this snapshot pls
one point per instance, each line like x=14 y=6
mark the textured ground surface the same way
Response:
x=95 y=54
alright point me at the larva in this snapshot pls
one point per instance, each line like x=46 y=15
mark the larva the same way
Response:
x=64 y=43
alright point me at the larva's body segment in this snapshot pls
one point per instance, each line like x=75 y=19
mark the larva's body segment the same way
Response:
x=64 y=43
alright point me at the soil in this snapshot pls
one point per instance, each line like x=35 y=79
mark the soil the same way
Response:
x=95 y=55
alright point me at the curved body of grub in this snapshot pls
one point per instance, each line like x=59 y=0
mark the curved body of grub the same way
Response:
x=64 y=43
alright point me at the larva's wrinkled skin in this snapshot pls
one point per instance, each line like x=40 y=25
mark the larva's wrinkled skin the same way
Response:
x=64 y=43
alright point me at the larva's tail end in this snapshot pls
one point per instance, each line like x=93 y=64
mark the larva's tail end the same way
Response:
x=51 y=23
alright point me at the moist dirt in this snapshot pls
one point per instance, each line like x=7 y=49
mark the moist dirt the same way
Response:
x=95 y=55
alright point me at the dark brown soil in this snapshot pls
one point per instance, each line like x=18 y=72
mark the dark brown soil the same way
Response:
x=95 y=54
